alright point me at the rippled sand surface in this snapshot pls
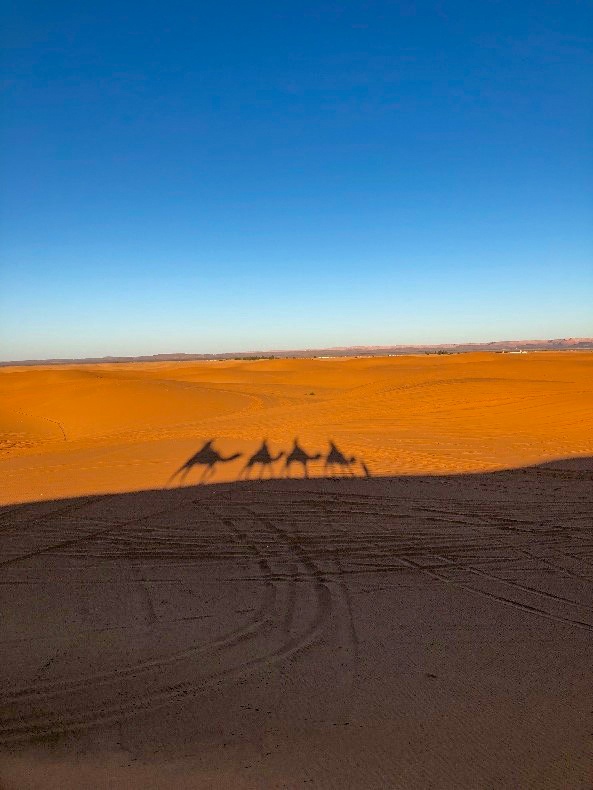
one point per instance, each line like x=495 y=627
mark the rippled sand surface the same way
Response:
x=73 y=430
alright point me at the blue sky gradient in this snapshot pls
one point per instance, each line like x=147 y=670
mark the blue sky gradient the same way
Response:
x=206 y=177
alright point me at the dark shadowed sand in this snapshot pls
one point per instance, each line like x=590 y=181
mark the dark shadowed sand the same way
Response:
x=404 y=632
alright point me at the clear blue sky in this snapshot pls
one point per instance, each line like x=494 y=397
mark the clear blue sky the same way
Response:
x=192 y=176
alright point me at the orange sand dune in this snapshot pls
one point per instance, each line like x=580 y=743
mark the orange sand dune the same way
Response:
x=70 y=430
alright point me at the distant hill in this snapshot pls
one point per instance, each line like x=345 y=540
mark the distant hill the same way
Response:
x=559 y=344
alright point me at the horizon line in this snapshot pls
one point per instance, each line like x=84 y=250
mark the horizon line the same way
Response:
x=570 y=343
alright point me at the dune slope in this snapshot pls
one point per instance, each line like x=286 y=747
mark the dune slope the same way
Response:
x=90 y=429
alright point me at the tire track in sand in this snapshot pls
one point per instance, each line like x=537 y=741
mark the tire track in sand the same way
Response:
x=21 y=726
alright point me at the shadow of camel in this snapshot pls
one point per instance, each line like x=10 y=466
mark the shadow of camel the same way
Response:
x=335 y=458
x=207 y=457
x=261 y=457
x=299 y=456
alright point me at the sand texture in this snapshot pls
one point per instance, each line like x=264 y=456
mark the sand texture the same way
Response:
x=417 y=615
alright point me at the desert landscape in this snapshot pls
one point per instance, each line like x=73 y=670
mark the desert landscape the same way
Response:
x=342 y=572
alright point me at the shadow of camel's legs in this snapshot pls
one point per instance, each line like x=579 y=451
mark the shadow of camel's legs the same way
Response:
x=287 y=467
x=332 y=473
x=203 y=475
x=208 y=473
x=183 y=475
x=172 y=478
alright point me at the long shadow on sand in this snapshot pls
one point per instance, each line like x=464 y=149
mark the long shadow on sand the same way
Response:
x=161 y=617
x=206 y=457
x=262 y=462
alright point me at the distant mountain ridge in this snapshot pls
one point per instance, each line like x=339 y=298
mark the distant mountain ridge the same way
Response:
x=559 y=344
